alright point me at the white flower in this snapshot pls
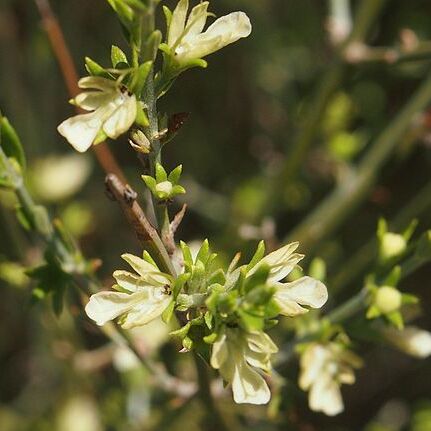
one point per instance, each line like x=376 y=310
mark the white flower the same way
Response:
x=235 y=354
x=186 y=39
x=140 y=299
x=411 y=340
x=323 y=369
x=114 y=112
x=290 y=296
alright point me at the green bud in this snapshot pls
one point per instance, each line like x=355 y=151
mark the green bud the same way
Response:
x=392 y=245
x=388 y=299
x=140 y=142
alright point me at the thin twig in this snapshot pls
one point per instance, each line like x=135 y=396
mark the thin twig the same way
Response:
x=59 y=46
x=351 y=192
x=135 y=215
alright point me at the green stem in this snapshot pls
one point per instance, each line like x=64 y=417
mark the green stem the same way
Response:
x=351 y=192
x=365 y=17
x=214 y=420
x=365 y=255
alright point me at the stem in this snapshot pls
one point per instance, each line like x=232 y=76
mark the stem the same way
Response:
x=364 y=19
x=135 y=215
x=365 y=255
x=351 y=192
x=215 y=421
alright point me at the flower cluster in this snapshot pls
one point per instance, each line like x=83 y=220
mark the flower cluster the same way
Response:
x=324 y=368
x=228 y=311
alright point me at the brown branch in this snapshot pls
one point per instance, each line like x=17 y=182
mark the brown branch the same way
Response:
x=61 y=51
x=135 y=215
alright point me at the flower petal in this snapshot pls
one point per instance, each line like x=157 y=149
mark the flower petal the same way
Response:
x=178 y=22
x=411 y=340
x=281 y=262
x=98 y=83
x=197 y=19
x=219 y=353
x=81 y=130
x=312 y=363
x=248 y=386
x=147 y=310
x=122 y=118
x=231 y=27
x=224 y=31
x=141 y=266
x=92 y=100
x=305 y=291
x=106 y=306
x=325 y=396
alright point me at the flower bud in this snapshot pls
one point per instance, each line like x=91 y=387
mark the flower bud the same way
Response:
x=164 y=188
x=392 y=245
x=388 y=299
x=411 y=340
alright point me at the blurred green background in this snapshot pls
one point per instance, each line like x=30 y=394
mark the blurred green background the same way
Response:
x=247 y=111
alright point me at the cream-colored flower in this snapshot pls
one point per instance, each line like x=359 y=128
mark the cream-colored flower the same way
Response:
x=187 y=40
x=113 y=109
x=235 y=354
x=140 y=297
x=411 y=340
x=324 y=368
x=291 y=296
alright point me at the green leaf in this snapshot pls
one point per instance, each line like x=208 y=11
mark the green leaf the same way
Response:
x=95 y=69
x=204 y=252
x=151 y=47
x=150 y=182
x=168 y=312
x=187 y=255
x=175 y=175
x=208 y=317
x=124 y=12
x=258 y=255
x=168 y=16
x=180 y=282
x=396 y=318
x=182 y=332
x=251 y=322
x=161 y=174
x=140 y=77
x=23 y=218
x=178 y=190
x=141 y=117
x=394 y=277
x=11 y=143
x=258 y=278
x=118 y=57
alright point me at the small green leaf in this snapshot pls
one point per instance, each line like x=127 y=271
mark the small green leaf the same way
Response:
x=23 y=218
x=258 y=255
x=140 y=77
x=178 y=190
x=168 y=16
x=141 y=116
x=187 y=255
x=11 y=143
x=168 y=312
x=95 y=69
x=204 y=252
x=182 y=332
x=208 y=317
x=161 y=174
x=150 y=182
x=151 y=47
x=211 y=339
x=118 y=57
x=396 y=319
x=175 y=175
